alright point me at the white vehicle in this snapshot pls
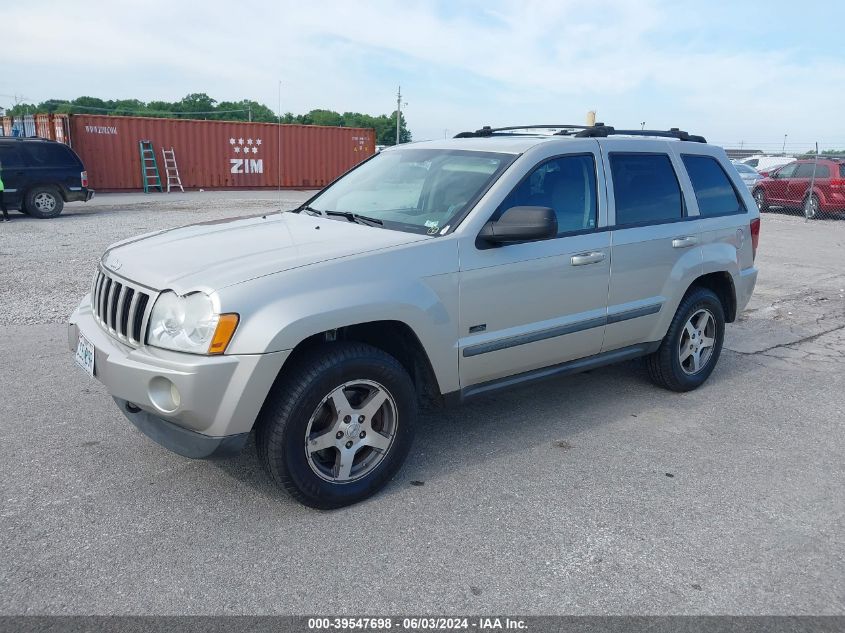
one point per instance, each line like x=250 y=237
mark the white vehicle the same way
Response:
x=765 y=163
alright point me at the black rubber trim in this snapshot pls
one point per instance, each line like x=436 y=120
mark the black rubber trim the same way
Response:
x=633 y=314
x=562 y=330
x=562 y=369
x=181 y=440
x=533 y=337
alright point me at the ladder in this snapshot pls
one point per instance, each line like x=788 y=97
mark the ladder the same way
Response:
x=171 y=171
x=149 y=167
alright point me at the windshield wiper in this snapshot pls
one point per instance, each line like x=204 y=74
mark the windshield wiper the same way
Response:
x=355 y=217
x=310 y=210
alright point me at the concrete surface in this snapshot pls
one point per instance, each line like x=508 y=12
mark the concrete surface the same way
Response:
x=597 y=493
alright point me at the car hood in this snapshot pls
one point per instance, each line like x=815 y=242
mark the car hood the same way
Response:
x=212 y=255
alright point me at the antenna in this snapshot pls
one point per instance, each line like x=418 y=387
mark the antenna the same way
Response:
x=279 y=145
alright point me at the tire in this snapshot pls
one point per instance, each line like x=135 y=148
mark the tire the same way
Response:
x=760 y=199
x=810 y=207
x=675 y=369
x=302 y=411
x=43 y=202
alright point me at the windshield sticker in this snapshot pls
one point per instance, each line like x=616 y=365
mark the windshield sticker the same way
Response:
x=432 y=224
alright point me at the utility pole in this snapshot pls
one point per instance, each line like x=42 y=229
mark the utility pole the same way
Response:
x=642 y=125
x=398 y=112
x=249 y=109
x=783 y=149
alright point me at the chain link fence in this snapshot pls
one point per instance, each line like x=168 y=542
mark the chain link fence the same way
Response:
x=806 y=179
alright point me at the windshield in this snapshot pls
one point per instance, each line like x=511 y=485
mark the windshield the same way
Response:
x=418 y=190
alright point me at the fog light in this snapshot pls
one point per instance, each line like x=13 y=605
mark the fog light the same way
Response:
x=164 y=394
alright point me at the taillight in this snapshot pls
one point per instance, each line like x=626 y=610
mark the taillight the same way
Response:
x=837 y=183
x=84 y=178
x=755 y=236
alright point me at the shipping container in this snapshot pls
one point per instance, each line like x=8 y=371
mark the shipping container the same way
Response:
x=217 y=154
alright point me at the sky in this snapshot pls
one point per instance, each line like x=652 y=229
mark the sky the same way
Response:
x=736 y=72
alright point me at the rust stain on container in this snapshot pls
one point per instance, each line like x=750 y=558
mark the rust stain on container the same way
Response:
x=218 y=154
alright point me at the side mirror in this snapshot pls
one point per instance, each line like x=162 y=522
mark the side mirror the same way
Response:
x=520 y=224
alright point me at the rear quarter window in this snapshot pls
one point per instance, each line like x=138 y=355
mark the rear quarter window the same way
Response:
x=713 y=189
x=842 y=170
x=645 y=189
x=50 y=155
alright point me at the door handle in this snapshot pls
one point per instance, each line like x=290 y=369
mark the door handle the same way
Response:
x=582 y=259
x=684 y=242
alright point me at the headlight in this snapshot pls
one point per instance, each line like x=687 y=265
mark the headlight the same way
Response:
x=190 y=324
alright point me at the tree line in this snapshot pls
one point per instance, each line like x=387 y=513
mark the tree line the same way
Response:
x=201 y=106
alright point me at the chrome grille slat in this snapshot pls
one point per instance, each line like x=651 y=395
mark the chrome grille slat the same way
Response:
x=109 y=303
x=130 y=321
x=121 y=308
x=104 y=293
x=118 y=321
x=95 y=298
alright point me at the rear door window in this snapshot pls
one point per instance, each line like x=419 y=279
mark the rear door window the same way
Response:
x=713 y=189
x=49 y=155
x=805 y=170
x=645 y=188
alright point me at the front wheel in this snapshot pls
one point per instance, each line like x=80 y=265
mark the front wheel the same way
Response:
x=689 y=351
x=43 y=202
x=338 y=424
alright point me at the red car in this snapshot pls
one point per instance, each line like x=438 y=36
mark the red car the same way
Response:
x=789 y=187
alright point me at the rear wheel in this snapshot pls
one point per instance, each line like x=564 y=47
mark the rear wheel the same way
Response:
x=689 y=351
x=43 y=202
x=760 y=199
x=811 y=207
x=338 y=425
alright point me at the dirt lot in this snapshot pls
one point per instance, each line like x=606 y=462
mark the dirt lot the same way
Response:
x=597 y=493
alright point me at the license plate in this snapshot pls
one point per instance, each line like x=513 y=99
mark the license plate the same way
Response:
x=85 y=355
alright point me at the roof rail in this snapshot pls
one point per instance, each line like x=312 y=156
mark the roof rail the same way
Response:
x=494 y=131
x=593 y=131
x=600 y=130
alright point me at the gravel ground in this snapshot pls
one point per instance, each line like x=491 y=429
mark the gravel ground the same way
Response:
x=597 y=493
x=49 y=264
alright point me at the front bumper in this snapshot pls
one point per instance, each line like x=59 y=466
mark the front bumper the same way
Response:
x=219 y=397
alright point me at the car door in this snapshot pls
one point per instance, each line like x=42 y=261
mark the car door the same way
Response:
x=798 y=185
x=527 y=306
x=655 y=247
x=777 y=185
x=14 y=176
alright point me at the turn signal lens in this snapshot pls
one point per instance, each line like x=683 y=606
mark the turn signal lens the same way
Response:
x=226 y=326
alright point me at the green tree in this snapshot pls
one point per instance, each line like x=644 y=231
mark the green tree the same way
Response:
x=197 y=104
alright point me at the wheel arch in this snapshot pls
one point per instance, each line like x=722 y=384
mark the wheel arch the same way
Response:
x=393 y=337
x=722 y=285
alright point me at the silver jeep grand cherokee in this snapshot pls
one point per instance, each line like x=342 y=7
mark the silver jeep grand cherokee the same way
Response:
x=431 y=273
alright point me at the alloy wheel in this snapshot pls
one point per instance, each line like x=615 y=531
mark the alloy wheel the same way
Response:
x=351 y=431
x=44 y=202
x=697 y=342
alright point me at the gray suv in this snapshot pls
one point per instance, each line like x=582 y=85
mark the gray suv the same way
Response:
x=430 y=274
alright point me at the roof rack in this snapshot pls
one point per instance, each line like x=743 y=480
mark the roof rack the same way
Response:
x=599 y=130
x=495 y=131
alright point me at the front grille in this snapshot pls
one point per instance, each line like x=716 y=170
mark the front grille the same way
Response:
x=121 y=308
